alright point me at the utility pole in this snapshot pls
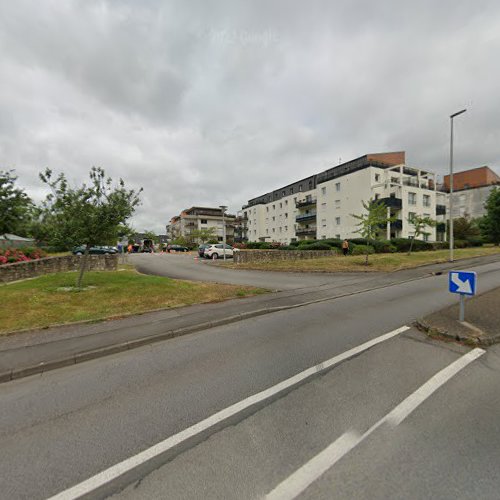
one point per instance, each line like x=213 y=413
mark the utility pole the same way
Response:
x=223 y=209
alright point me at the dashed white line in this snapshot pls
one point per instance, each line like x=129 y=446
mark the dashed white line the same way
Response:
x=105 y=477
x=303 y=477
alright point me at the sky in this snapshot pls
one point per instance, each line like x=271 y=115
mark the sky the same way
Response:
x=211 y=103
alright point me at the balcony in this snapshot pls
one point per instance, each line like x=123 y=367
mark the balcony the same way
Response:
x=392 y=202
x=306 y=231
x=397 y=224
x=306 y=217
x=306 y=203
x=441 y=227
x=440 y=209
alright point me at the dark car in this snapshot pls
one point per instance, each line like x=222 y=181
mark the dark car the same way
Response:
x=201 y=249
x=95 y=250
x=177 y=248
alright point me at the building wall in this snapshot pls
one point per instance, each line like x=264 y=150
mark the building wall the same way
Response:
x=470 y=202
x=476 y=177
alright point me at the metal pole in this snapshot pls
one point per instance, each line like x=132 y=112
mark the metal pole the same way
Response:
x=462 y=307
x=451 y=190
x=388 y=223
x=223 y=208
x=451 y=181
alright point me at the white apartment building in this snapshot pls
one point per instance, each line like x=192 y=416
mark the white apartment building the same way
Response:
x=196 y=218
x=321 y=206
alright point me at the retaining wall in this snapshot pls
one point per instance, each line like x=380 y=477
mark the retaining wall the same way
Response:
x=33 y=268
x=273 y=255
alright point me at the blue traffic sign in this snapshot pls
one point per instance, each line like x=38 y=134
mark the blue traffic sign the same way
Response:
x=462 y=282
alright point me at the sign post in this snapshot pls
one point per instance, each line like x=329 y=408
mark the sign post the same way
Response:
x=463 y=283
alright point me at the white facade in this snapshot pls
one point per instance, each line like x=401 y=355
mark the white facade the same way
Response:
x=325 y=211
x=470 y=202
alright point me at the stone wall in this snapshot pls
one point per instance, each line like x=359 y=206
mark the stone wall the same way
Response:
x=32 y=268
x=273 y=255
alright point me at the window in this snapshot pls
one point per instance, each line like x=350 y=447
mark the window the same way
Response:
x=286 y=228
x=267 y=231
x=426 y=237
x=337 y=221
x=295 y=200
x=429 y=216
x=267 y=209
x=323 y=222
x=291 y=190
x=204 y=221
x=377 y=196
x=286 y=215
x=412 y=198
x=337 y=203
x=300 y=187
x=274 y=218
x=427 y=200
x=323 y=190
x=323 y=237
x=281 y=205
x=274 y=207
x=274 y=230
x=337 y=187
x=337 y=236
x=286 y=203
x=282 y=193
x=280 y=229
x=411 y=215
x=377 y=177
x=323 y=206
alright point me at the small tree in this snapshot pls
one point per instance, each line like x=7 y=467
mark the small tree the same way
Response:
x=86 y=215
x=16 y=208
x=420 y=225
x=465 y=228
x=371 y=222
x=490 y=223
x=203 y=235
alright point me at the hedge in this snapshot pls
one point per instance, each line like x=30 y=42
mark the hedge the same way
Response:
x=363 y=250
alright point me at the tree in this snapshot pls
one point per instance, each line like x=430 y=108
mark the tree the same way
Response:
x=203 y=235
x=371 y=222
x=15 y=206
x=490 y=223
x=151 y=235
x=465 y=228
x=420 y=225
x=87 y=215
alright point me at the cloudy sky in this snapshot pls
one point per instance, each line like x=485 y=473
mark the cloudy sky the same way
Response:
x=206 y=102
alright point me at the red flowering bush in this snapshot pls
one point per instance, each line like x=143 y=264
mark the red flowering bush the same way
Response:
x=12 y=255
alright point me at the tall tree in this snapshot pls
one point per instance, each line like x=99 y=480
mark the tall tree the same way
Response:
x=420 y=225
x=15 y=205
x=490 y=223
x=203 y=235
x=371 y=221
x=465 y=228
x=86 y=215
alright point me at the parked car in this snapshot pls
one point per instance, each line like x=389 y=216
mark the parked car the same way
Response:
x=95 y=250
x=216 y=251
x=201 y=249
x=177 y=248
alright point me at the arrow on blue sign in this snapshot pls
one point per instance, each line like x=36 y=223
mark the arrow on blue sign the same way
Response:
x=463 y=282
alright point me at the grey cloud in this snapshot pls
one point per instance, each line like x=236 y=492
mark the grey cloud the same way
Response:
x=217 y=102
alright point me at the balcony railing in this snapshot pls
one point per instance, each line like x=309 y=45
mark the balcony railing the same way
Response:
x=306 y=203
x=440 y=209
x=397 y=224
x=307 y=231
x=306 y=217
x=393 y=202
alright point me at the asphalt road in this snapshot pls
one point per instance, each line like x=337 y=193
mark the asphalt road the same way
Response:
x=189 y=267
x=64 y=426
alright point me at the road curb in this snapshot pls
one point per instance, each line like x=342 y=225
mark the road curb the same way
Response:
x=15 y=374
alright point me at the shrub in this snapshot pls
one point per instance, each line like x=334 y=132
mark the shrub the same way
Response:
x=12 y=255
x=363 y=250
x=403 y=245
x=475 y=242
x=317 y=246
x=440 y=245
x=461 y=244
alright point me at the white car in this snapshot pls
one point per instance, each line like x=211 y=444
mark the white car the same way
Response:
x=216 y=251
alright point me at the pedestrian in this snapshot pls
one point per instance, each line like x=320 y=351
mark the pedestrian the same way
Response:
x=129 y=248
x=345 y=247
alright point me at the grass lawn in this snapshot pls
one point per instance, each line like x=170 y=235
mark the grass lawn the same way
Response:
x=44 y=301
x=377 y=262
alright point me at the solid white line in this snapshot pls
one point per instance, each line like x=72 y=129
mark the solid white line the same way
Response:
x=115 y=471
x=303 y=477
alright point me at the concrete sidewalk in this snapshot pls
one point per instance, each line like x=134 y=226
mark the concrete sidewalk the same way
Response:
x=27 y=353
x=481 y=325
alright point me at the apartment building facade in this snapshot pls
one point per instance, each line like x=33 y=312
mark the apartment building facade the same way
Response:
x=197 y=218
x=471 y=189
x=321 y=206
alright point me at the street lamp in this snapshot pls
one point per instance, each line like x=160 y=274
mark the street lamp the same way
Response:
x=451 y=180
x=223 y=208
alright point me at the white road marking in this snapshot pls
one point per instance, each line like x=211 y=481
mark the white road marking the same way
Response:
x=115 y=471
x=303 y=477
